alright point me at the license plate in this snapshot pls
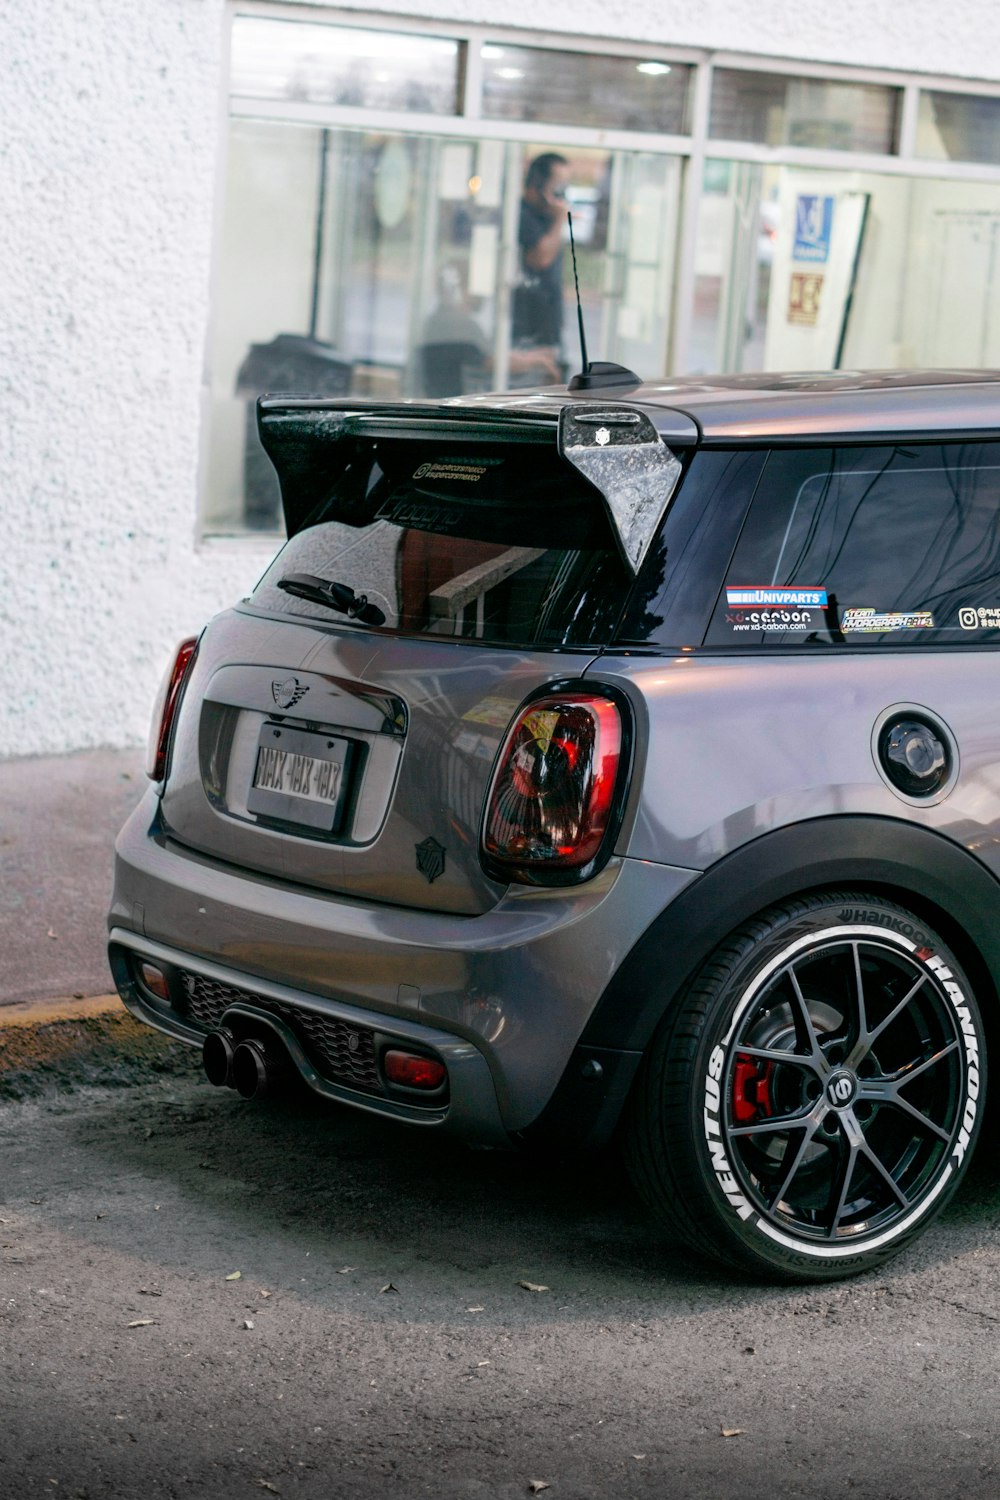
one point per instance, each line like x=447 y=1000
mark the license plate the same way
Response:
x=300 y=777
x=297 y=775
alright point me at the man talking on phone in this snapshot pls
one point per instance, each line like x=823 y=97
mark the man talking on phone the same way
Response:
x=538 y=298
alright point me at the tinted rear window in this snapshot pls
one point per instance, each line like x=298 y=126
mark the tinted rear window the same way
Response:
x=868 y=546
x=498 y=543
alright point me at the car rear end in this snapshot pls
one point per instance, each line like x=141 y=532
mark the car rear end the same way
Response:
x=384 y=844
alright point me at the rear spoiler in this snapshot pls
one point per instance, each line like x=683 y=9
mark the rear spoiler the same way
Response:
x=614 y=446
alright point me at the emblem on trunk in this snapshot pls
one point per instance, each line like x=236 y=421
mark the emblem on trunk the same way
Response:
x=430 y=859
x=286 y=694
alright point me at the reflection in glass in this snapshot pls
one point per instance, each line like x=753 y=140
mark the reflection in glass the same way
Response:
x=935 y=243
x=776 y=109
x=582 y=88
x=739 y=225
x=503 y=544
x=340 y=65
x=352 y=262
x=959 y=127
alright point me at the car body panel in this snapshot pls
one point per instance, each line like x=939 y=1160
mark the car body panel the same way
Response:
x=518 y=981
x=739 y=745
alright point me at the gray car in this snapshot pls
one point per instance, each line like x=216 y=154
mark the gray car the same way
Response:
x=609 y=761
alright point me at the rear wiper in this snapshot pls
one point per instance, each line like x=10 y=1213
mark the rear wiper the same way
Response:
x=335 y=595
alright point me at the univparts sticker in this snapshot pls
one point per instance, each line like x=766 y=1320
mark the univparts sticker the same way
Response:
x=871 y=621
x=760 y=596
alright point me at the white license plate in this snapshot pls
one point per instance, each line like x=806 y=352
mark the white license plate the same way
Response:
x=296 y=775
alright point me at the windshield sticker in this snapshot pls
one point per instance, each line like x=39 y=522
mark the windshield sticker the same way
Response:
x=775 y=619
x=470 y=473
x=872 y=621
x=984 y=618
x=782 y=598
x=420 y=517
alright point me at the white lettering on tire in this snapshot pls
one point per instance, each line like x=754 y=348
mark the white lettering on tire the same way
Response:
x=713 y=1135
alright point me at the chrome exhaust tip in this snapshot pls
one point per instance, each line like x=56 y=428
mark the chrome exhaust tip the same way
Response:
x=217 y=1058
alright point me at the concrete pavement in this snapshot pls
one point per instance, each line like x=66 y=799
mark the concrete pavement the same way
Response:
x=58 y=819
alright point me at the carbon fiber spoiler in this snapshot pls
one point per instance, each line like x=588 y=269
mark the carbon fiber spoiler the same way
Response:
x=615 y=446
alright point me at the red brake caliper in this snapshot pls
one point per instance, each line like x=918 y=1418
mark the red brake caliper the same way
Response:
x=751 y=1090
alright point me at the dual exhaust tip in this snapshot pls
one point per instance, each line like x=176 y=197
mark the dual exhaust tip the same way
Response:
x=246 y=1066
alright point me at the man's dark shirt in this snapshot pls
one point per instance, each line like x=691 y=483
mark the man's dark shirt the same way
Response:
x=538 y=300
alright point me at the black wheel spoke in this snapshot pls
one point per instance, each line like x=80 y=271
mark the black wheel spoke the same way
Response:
x=885 y=1174
x=859 y=985
x=840 y=1202
x=777 y=1055
x=897 y=1101
x=773 y=1124
x=800 y=1150
x=906 y=1075
x=867 y=1039
x=805 y=1032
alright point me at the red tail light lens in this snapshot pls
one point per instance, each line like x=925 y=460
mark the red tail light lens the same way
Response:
x=165 y=708
x=414 y=1071
x=554 y=792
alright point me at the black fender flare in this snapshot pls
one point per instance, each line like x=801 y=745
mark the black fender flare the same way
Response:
x=925 y=871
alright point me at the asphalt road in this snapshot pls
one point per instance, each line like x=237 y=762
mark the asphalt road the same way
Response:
x=378 y=1340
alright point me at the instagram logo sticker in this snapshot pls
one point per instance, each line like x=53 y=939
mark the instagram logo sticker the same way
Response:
x=968 y=618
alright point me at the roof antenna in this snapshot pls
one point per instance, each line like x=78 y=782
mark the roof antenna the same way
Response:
x=600 y=373
x=584 y=361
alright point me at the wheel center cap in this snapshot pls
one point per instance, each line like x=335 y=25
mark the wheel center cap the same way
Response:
x=841 y=1088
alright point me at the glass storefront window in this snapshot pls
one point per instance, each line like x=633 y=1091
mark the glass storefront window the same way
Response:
x=778 y=109
x=388 y=264
x=959 y=127
x=802 y=268
x=584 y=88
x=340 y=65
x=362 y=260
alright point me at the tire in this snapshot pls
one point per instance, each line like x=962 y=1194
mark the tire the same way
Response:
x=812 y=1101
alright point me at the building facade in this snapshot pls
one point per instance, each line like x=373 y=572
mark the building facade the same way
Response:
x=206 y=201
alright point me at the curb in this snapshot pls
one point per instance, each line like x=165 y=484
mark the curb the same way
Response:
x=25 y=1013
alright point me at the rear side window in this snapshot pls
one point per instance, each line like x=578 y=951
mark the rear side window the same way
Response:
x=497 y=542
x=868 y=546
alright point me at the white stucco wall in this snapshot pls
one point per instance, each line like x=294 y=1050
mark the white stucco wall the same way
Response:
x=110 y=130
x=926 y=36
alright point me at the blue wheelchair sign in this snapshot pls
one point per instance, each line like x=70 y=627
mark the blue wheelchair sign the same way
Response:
x=813 y=225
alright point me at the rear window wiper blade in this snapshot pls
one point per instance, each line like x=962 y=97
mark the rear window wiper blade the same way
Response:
x=338 y=596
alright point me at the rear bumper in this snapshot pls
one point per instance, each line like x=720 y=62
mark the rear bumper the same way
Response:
x=510 y=991
x=471 y=1108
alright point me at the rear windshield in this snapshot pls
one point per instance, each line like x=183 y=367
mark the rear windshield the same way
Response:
x=498 y=543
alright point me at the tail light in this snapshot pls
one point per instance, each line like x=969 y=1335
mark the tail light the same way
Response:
x=413 y=1070
x=165 y=708
x=556 y=791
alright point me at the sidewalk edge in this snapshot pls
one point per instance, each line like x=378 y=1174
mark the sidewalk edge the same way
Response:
x=41 y=1013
